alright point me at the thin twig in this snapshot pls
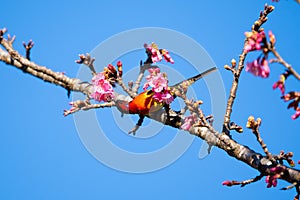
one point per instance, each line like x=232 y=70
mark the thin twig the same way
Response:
x=289 y=187
x=28 y=48
x=263 y=145
x=86 y=105
x=126 y=89
x=298 y=192
x=254 y=125
x=284 y=63
x=13 y=58
x=285 y=156
x=88 y=61
x=243 y=183
x=140 y=77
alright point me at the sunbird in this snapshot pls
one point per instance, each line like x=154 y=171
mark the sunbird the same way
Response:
x=143 y=104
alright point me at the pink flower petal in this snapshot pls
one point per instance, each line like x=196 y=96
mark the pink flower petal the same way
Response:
x=188 y=122
x=296 y=115
x=103 y=90
x=259 y=67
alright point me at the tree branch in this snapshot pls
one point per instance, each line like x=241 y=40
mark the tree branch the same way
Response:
x=85 y=105
x=243 y=183
x=254 y=125
x=280 y=60
x=232 y=148
x=204 y=131
x=237 y=72
x=13 y=58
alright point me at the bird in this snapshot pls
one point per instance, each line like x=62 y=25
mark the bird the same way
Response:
x=143 y=104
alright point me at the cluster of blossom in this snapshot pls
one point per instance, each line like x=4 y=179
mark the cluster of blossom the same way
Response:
x=188 y=122
x=159 y=83
x=103 y=90
x=294 y=97
x=156 y=54
x=104 y=82
x=257 y=41
x=280 y=83
x=260 y=66
x=271 y=180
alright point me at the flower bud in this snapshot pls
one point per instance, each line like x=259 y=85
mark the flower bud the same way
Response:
x=227 y=183
x=120 y=70
x=258 y=121
x=250 y=122
x=291 y=163
x=227 y=67
x=233 y=62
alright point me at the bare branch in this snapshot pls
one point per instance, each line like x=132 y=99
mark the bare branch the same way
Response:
x=285 y=156
x=254 y=125
x=11 y=39
x=280 y=60
x=85 y=105
x=263 y=17
x=28 y=48
x=88 y=61
x=243 y=183
x=127 y=90
x=289 y=187
x=13 y=58
x=140 y=77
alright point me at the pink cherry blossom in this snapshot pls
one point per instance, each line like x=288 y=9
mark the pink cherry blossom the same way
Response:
x=157 y=81
x=167 y=56
x=157 y=54
x=297 y=114
x=271 y=180
x=259 y=67
x=294 y=97
x=276 y=170
x=159 y=84
x=154 y=70
x=103 y=90
x=163 y=97
x=167 y=97
x=272 y=37
x=120 y=70
x=254 y=41
x=154 y=51
x=280 y=84
x=265 y=69
x=227 y=183
x=188 y=122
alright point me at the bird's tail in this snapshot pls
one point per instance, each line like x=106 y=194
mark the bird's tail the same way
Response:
x=193 y=79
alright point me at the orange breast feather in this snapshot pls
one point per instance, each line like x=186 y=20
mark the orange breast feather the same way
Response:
x=144 y=104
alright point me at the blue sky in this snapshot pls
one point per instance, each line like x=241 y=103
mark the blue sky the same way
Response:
x=42 y=155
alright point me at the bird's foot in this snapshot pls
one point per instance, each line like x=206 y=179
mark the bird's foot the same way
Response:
x=134 y=130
